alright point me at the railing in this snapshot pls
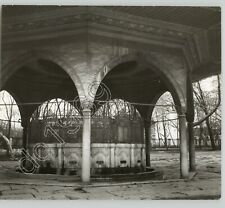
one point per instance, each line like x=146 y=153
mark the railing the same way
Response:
x=175 y=143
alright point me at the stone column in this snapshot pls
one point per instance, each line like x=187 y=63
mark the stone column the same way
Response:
x=147 y=142
x=24 y=140
x=86 y=145
x=190 y=119
x=192 y=165
x=25 y=135
x=184 y=169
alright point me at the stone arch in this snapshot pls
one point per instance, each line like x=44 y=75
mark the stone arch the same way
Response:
x=155 y=100
x=12 y=66
x=149 y=62
x=102 y=72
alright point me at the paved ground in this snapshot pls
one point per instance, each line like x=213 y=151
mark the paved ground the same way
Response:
x=205 y=185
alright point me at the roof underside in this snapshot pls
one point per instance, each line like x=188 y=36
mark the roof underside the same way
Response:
x=202 y=26
x=201 y=17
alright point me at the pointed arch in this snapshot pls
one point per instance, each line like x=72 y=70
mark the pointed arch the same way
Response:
x=153 y=64
x=13 y=65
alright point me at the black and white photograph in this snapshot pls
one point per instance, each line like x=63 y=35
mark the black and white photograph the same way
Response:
x=110 y=102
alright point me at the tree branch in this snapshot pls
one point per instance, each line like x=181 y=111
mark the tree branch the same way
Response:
x=216 y=107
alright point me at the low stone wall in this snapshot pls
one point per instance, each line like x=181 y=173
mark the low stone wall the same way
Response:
x=69 y=156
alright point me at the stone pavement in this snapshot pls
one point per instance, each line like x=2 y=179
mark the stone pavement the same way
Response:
x=205 y=185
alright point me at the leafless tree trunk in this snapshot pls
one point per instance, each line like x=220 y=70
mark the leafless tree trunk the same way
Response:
x=164 y=132
x=9 y=147
x=9 y=113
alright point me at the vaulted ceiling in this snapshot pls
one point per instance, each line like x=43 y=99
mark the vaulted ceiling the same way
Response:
x=37 y=82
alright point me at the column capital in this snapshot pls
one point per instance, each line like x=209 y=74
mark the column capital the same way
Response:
x=86 y=105
x=86 y=113
x=86 y=110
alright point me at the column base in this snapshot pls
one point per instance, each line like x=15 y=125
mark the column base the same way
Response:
x=85 y=183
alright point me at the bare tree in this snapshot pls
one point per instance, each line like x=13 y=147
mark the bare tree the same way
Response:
x=204 y=102
x=165 y=125
x=9 y=111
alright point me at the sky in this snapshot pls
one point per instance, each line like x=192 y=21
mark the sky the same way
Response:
x=209 y=84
